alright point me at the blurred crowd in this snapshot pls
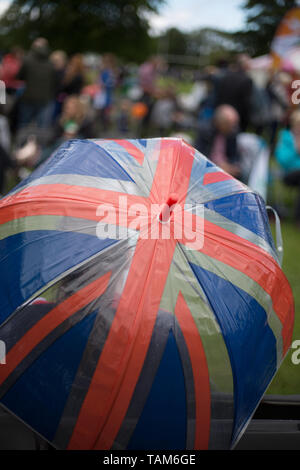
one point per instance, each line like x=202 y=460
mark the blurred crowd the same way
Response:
x=51 y=97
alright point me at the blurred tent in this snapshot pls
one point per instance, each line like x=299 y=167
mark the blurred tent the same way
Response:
x=292 y=59
x=261 y=67
x=284 y=52
x=286 y=38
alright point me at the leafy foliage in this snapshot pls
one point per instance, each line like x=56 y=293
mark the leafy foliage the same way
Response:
x=263 y=18
x=206 y=45
x=76 y=26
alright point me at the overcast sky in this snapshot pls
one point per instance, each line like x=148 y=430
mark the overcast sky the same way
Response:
x=191 y=14
x=3 y=5
x=194 y=14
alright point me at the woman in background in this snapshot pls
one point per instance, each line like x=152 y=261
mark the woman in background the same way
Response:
x=73 y=80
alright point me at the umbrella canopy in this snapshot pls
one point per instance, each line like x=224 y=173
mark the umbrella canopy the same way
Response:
x=142 y=302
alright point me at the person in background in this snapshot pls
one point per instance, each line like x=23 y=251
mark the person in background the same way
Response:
x=147 y=75
x=59 y=60
x=107 y=81
x=123 y=117
x=73 y=80
x=9 y=69
x=148 y=72
x=217 y=139
x=211 y=77
x=277 y=89
x=6 y=162
x=74 y=121
x=38 y=74
x=234 y=87
x=287 y=153
x=163 y=112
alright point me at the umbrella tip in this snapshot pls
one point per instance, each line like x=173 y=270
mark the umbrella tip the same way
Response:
x=168 y=207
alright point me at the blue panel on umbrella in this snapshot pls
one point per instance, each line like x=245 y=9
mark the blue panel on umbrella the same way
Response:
x=87 y=158
x=162 y=424
x=80 y=157
x=245 y=209
x=250 y=341
x=39 y=396
x=143 y=142
x=24 y=271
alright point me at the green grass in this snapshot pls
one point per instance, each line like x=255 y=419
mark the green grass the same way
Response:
x=287 y=379
x=178 y=86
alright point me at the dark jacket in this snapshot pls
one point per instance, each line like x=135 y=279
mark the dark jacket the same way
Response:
x=73 y=87
x=40 y=80
x=5 y=162
x=234 y=87
x=205 y=138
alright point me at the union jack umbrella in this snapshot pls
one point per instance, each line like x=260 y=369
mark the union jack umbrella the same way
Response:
x=143 y=305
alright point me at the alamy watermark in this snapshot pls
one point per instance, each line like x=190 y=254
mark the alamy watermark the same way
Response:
x=296 y=95
x=153 y=221
x=296 y=354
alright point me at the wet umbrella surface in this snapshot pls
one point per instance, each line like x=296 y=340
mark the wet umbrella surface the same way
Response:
x=143 y=305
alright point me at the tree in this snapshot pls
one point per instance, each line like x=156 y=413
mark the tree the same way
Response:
x=173 y=42
x=212 y=45
x=203 y=46
x=263 y=18
x=78 y=26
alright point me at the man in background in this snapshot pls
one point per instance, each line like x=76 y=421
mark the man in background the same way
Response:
x=235 y=87
x=217 y=139
x=38 y=74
